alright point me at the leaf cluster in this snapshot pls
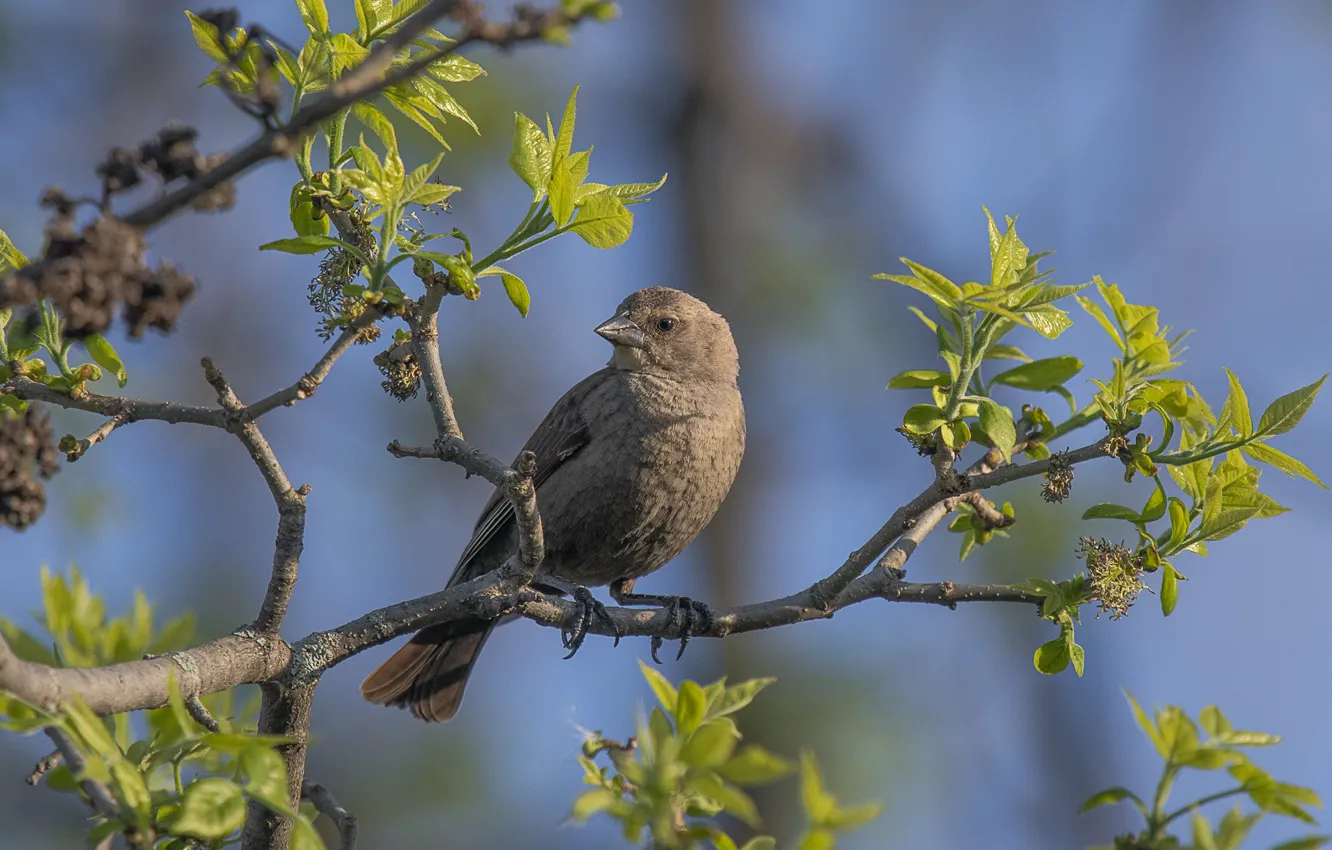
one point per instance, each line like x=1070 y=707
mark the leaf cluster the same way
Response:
x=685 y=767
x=176 y=784
x=1175 y=735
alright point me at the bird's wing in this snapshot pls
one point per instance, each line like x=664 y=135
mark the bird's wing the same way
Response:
x=559 y=437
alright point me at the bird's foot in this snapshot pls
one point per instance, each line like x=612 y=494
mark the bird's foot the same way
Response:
x=592 y=610
x=695 y=615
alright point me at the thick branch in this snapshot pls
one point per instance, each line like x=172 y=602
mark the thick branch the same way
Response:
x=235 y=659
x=284 y=711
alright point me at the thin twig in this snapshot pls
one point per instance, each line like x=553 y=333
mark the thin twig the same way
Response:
x=201 y=714
x=98 y=794
x=290 y=504
x=44 y=765
x=310 y=381
x=103 y=431
x=328 y=805
x=364 y=81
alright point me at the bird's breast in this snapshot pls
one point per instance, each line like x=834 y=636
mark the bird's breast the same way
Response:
x=652 y=478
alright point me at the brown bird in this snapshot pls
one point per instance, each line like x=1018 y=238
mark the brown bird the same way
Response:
x=631 y=464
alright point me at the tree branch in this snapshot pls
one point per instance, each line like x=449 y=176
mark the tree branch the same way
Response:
x=98 y=794
x=236 y=659
x=290 y=504
x=362 y=82
x=329 y=806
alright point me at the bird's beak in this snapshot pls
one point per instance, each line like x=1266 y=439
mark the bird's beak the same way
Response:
x=618 y=330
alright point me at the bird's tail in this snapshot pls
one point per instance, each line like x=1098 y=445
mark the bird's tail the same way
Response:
x=428 y=675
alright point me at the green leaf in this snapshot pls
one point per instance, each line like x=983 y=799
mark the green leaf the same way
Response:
x=1042 y=375
x=689 y=707
x=1110 y=796
x=736 y=697
x=210 y=809
x=314 y=14
x=1238 y=403
x=732 y=799
x=1312 y=842
x=942 y=290
x=591 y=802
x=1286 y=412
x=304 y=836
x=755 y=765
x=914 y=379
x=305 y=245
x=1266 y=454
x=1108 y=510
x=711 y=744
x=456 y=68
x=267 y=777
x=1169 y=589
x=817 y=839
x=923 y=418
x=1006 y=352
x=997 y=422
x=666 y=693
x=105 y=356
x=564 y=140
x=1052 y=656
x=603 y=221
x=567 y=176
x=1076 y=654
x=760 y=842
x=366 y=19
x=530 y=155
x=206 y=36
x=1094 y=310
x=513 y=287
x=1224 y=524
x=1213 y=722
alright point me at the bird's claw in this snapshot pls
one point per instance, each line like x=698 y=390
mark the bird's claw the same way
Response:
x=695 y=614
x=592 y=609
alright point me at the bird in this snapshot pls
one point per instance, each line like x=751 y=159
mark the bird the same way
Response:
x=631 y=464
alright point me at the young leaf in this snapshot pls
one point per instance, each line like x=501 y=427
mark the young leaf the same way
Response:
x=755 y=765
x=689 y=707
x=314 y=14
x=1110 y=796
x=306 y=245
x=603 y=221
x=1238 y=403
x=1040 y=375
x=1051 y=657
x=997 y=422
x=211 y=809
x=915 y=379
x=530 y=155
x=105 y=356
x=206 y=36
x=1169 y=589
x=923 y=418
x=666 y=693
x=565 y=179
x=1266 y=454
x=564 y=140
x=736 y=697
x=513 y=287
x=1286 y=412
x=1108 y=510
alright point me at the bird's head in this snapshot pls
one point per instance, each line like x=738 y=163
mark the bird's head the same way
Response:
x=669 y=332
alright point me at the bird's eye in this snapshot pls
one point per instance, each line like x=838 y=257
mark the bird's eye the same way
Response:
x=665 y=324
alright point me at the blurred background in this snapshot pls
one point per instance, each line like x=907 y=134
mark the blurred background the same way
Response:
x=1179 y=149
